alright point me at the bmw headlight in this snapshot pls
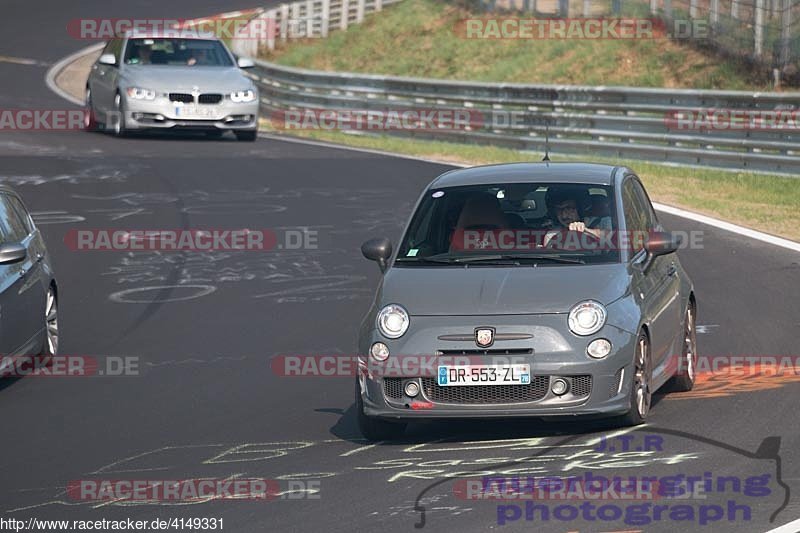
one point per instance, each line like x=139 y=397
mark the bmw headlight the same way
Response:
x=393 y=321
x=241 y=97
x=587 y=318
x=138 y=93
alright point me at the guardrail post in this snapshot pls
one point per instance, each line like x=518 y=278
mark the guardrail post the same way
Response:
x=692 y=9
x=326 y=16
x=587 y=8
x=294 y=20
x=653 y=7
x=734 y=9
x=616 y=6
x=563 y=7
x=360 y=11
x=378 y=5
x=758 y=45
x=270 y=19
x=668 y=10
x=284 y=22
x=345 y=14
x=714 y=13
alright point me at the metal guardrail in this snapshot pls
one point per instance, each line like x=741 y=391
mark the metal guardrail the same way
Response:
x=622 y=122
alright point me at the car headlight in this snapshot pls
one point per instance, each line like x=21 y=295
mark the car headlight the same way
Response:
x=138 y=93
x=393 y=321
x=241 y=97
x=586 y=318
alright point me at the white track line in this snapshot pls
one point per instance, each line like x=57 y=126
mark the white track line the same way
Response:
x=697 y=217
x=791 y=527
x=50 y=77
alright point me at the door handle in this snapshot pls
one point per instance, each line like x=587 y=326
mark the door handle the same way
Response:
x=672 y=270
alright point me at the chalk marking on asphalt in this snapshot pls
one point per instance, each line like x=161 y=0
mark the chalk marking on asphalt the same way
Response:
x=23 y=61
x=53 y=72
x=791 y=527
x=362 y=448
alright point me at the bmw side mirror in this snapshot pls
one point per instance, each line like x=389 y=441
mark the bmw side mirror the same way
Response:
x=662 y=243
x=379 y=250
x=245 y=62
x=108 y=59
x=12 y=253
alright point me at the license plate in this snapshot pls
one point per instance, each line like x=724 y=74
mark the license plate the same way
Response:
x=195 y=111
x=461 y=375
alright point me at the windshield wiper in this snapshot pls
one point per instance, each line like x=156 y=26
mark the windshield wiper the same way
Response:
x=500 y=258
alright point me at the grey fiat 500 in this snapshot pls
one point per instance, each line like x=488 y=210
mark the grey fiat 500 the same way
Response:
x=530 y=289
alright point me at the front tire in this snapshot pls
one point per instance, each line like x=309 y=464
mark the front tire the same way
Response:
x=687 y=370
x=50 y=344
x=119 y=128
x=641 y=393
x=90 y=116
x=375 y=429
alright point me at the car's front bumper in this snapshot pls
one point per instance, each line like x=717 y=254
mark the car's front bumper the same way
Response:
x=163 y=114
x=597 y=387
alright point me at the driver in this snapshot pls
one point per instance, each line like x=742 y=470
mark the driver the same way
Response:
x=566 y=206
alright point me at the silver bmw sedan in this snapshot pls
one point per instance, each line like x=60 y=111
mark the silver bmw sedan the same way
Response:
x=155 y=80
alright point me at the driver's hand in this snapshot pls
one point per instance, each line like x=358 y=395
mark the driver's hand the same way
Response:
x=577 y=226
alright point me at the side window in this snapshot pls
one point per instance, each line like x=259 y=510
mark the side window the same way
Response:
x=635 y=215
x=13 y=224
x=644 y=201
x=23 y=214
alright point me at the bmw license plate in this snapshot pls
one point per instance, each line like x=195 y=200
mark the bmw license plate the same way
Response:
x=455 y=375
x=194 y=111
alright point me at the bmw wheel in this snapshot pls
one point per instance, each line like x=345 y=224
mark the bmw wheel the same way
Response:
x=119 y=121
x=89 y=116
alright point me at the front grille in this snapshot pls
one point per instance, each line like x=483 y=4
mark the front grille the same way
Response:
x=492 y=351
x=486 y=394
x=186 y=98
x=393 y=388
x=581 y=385
x=210 y=98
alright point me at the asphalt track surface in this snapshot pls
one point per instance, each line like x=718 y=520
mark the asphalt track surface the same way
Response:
x=207 y=403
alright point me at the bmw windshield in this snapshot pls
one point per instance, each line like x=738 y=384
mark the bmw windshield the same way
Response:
x=513 y=224
x=177 y=52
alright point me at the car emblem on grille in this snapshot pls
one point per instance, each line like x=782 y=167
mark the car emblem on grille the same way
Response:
x=484 y=337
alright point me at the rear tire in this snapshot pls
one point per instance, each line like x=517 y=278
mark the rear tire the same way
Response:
x=247 y=135
x=641 y=395
x=376 y=429
x=684 y=379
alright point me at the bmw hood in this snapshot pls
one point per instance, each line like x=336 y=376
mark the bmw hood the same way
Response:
x=497 y=291
x=184 y=79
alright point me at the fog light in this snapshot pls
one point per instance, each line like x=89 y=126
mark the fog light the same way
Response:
x=379 y=351
x=559 y=387
x=412 y=389
x=599 y=348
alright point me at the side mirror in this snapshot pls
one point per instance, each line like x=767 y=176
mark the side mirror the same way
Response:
x=108 y=59
x=12 y=253
x=662 y=243
x=245 y=62
x=379 y=250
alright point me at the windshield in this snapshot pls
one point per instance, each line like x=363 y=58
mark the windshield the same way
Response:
x=513 y=224
x=177 y=52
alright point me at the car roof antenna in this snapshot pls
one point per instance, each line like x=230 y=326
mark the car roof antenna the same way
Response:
x=546 y=141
